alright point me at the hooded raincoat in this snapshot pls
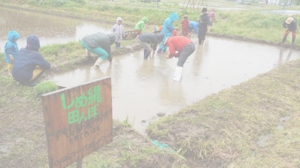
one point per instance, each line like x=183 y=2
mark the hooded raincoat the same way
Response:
x=140 y=25
x=11 y=46
x=168 y=28
x=27 y=60
x=119 y=31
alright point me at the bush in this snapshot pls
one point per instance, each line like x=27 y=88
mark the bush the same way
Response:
x=45 y=87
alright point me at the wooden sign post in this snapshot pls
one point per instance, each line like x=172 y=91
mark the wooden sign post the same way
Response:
x=78 y=121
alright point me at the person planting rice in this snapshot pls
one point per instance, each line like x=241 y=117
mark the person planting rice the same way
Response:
x=290 y=25
x=179 y=47
x=99 y=44
x=147 y=39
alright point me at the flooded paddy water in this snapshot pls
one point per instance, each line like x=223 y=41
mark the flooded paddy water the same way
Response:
x=50 y=29
x=143 y=90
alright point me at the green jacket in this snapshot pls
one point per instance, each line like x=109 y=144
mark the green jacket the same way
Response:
x=140 y=24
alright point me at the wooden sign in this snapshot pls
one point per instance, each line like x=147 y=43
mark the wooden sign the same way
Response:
x=78 y=121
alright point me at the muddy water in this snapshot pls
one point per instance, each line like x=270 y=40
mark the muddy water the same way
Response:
x=143 y=88
x=50 y=29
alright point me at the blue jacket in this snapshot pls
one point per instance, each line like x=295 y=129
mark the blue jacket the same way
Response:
x=168 y=24
x=11 y=47
x=194 y=25
x=28 y=58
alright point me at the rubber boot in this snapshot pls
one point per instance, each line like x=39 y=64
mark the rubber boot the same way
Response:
x=177 y=74
x=283 y=40
x=98 y=63
x=293 y=40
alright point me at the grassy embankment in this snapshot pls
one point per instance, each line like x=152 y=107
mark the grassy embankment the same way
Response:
x=235 y=127
x=254 y=124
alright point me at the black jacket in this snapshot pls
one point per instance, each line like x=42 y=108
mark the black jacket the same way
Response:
x=204 y=20
x=101 y=40
x=26 y=62
x=151 y=38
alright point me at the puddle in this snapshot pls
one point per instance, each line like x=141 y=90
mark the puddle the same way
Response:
x=142 y=89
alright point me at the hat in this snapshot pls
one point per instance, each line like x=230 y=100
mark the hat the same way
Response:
x=289 y=20
x=33 y=43
x=204 y=10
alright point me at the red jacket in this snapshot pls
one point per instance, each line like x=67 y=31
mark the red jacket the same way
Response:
x=185 y=24
x=177 y=43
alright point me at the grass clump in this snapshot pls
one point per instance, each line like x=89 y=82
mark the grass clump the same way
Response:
x=45 y=87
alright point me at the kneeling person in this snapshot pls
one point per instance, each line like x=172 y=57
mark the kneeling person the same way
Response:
x=181 y=47
x=99 y=44
x=146 y=39
x=29 y=64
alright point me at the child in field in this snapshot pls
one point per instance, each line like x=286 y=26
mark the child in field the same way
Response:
x=119 y=31
x=203 y=22
x=140 y=25
x=185 y=26
x=167 y=30
x=30 y=64
x=11 y=49
x=181 y=48
x=290 y=25
x=149 y=41
x=211 y=19
x=99 y=44
x=194 y=26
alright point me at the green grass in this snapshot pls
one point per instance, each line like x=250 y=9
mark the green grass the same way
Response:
x=229 y=127
x=45 y=87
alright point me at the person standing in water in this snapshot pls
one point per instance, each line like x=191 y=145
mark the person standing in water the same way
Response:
x=167 y=30
x=149 y=39
x=179 y=47
x=185 y=26
x=203 y=22
x=290 y=25
x=99 y=44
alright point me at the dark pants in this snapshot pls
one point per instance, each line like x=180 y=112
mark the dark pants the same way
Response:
x=185 y=53
x=201 y=35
